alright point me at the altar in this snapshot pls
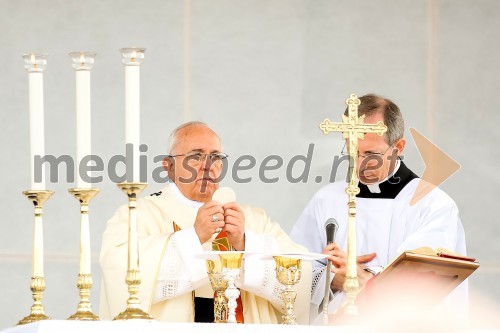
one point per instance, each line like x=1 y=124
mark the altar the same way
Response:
x=152 y=326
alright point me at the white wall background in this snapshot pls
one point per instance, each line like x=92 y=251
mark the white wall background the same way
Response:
x=263 y=74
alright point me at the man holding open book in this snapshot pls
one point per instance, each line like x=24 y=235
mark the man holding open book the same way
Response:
x=388 y=222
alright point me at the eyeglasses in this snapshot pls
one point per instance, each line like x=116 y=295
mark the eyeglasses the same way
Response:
x=195 y=158
x=366 y=155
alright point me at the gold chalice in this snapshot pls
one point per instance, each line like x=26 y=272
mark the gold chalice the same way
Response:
x=219 y=285
x=231 y=265
x=288 y=272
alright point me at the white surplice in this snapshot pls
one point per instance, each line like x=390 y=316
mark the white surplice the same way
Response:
x=384 y=225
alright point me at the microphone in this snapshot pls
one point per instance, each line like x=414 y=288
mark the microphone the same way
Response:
x=331 y=227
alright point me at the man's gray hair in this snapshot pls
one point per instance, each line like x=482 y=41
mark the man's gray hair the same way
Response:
x=173 y=140
x=393 y=119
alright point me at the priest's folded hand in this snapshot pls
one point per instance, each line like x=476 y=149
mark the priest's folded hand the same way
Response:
x=339 y=260
x=235 y=225
x=210 y=216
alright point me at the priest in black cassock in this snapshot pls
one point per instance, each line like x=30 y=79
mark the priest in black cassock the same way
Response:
x=386 y=224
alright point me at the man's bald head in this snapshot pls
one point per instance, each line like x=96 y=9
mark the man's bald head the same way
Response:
x=182 y=132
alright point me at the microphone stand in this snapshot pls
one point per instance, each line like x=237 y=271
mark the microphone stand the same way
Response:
x=326 y=298
x=331 y=227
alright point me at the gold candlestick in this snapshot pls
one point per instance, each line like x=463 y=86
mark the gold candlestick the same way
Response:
x=37 y=286
x=84 y=311
x=133 y=278
x=231 y=265
x=288 y=271
x=219 y=285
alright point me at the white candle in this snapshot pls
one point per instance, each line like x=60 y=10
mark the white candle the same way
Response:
x=82 y=63
x=132 y=58
x=35 y=64
x=83 y=121
x=132 y=114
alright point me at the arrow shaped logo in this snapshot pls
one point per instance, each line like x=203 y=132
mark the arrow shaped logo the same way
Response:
x=438 y=166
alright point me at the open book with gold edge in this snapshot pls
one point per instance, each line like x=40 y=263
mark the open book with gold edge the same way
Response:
x=420 y=277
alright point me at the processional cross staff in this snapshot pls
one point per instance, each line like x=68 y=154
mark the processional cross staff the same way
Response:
x=353 y=128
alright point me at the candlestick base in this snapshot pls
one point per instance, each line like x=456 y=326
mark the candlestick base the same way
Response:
x=84 y=311
x=33 y=318
x=37 y=285
x=84 y=315
x=133 y=313
x=37 y=310
x=133 y=310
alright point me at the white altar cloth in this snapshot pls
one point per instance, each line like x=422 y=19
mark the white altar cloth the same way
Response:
x=151 y=326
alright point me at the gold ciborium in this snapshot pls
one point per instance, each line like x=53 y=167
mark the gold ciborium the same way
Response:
x=219 y=286
x=231 y=266
x=288 y=271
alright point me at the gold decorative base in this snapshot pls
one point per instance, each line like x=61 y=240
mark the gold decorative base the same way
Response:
x=84 y=311
x=84 y=315
x=132 y=313
x=33 y=318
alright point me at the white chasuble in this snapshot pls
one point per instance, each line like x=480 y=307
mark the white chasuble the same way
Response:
x=385 y=224
x=170 y=273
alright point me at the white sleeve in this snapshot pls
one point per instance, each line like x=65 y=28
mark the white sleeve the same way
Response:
x=307 y=231
x=180 y=272
x=258 y=276
x=440 y=226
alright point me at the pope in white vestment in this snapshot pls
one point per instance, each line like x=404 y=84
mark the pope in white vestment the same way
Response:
x=171 y=275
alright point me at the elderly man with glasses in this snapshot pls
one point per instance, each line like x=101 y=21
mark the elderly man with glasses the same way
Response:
x=182 y=221
x=386 y=223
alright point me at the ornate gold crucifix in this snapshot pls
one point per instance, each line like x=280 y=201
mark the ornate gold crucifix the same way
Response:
x=353 y=129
